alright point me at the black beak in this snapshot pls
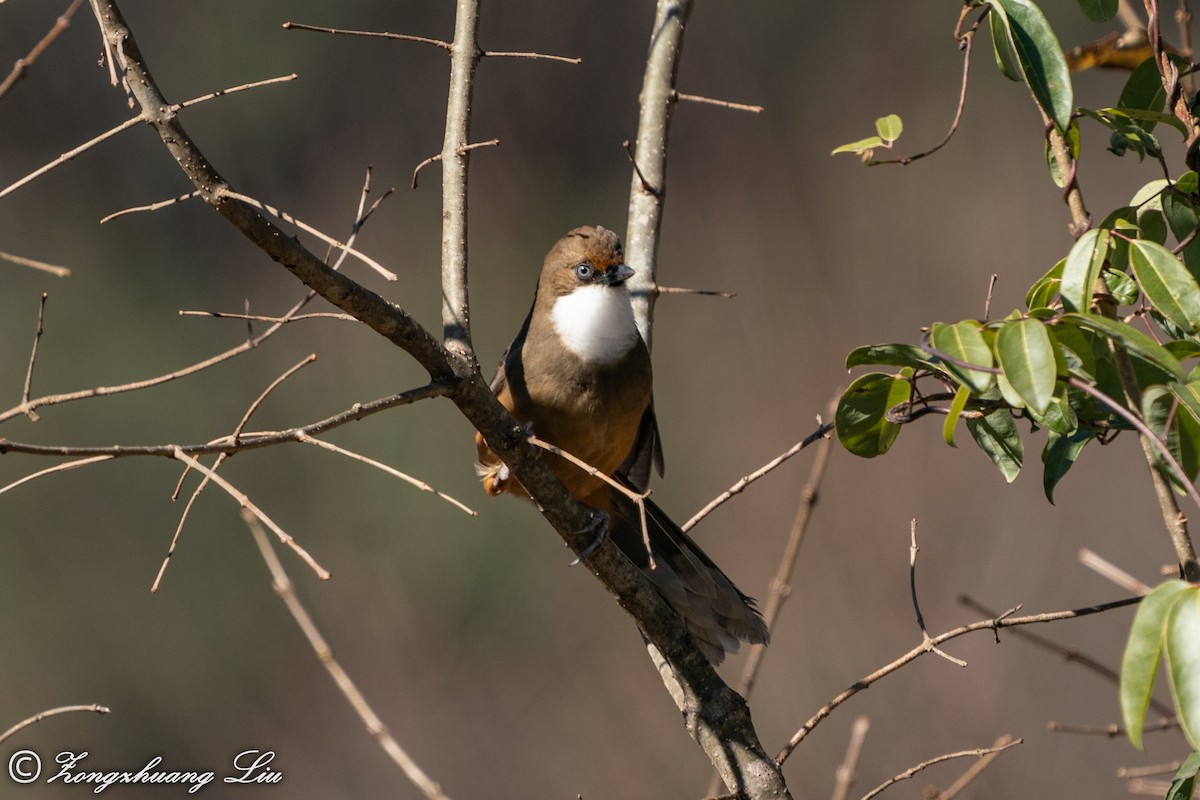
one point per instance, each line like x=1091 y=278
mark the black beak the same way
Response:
x=617 y=274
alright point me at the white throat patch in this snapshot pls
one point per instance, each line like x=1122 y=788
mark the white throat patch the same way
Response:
x=595 y=323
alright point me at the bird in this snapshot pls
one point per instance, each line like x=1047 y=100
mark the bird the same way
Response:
x=578 y=376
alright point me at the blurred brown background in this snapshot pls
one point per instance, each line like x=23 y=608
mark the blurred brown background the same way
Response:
x=504 y=673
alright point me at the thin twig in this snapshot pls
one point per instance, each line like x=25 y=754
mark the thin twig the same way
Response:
x=1093 y=561
x=246 y=503
x=286 y=217
x=638 y=498
x=61 y=272
x=706 y=292
x=375 y=726
x=966 y=40
x=1069 y=654
x=53 y=712
x=21 y=67
x=438 y=156
x=262 y=318
x=972 y=772
x=740 y=486
x=204 y=98
x=37 y=337
x=1112 y=730
x=911 y=771
x=425 y=487
x=1005 y=620
x=695 y=98
x=542 y=56
x=987 y=304
x=404 y=37
x=150 y=206
x=1147 y=771
x=912 y=582
x=846 y=772
x=220 y=459
x=70 y=465
x=248 y=441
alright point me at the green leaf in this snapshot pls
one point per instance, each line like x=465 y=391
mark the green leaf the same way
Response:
x=1043 y=292
x=1002 y=46
x=1026 y=354
x=1150 y=195
x=963 y=342
x=1143 y=90
x=956 y=408
x=1082 y=269
x=996 y=434
x=1188 y=395
x=1166 y=283
x=1183 y=786
x=891 y=355
x=1131 y=338
x=1099 y=10
x=1182 y=648
x=861 y=146
x=889 y=128
x=861 y=419
x=1058 y=456
x=1139 y=666
x=1123 y=288
x=1060 y=417
x=1181 y=216
x=1040 y=56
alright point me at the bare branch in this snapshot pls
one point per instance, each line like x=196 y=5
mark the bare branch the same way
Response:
x=661 y=290
x=21 y=67
x=37 y=337
x=61 y=272
x=649 y=181
x=425 y=487
x=695 y=98
x=403 y=37
x=1005 y=620
x=973 y=772
x=1112 y=730
x=438 y=157
x=70 y=465
x=822 y=430
x=204 y=98
x=53 y=712
x=846 y=771
x=150 y=207
x=541 y=56
x=375 y=726
x=72 y=154
x=1102 y=566
x=246 y=504
x=912 y=581
x=329 y=240
x=911 y=771
x=261 y=318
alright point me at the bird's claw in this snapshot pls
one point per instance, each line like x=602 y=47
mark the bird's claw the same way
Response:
x=599 y=525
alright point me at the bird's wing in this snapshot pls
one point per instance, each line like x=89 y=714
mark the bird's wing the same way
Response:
x=646 y=452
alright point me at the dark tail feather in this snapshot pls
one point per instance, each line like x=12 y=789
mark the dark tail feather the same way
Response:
x=716 y=612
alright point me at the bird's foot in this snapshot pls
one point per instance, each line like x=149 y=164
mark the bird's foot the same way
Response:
x=598 y=526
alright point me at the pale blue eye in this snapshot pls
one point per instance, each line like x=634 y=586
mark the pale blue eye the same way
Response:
x=584 y=270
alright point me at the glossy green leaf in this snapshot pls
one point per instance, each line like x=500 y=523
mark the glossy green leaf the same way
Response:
x=1040 y=57
x=956 y=408
x=1183 y=785
x=1182 y=649
x=1047 y=287
x=964 y=343
x=1123 y=288
x=861 y=419
x=1166 y=283
x=1082 y=269
x=1058 y=456
x=1152 y=226
x=1181 y=217
x=1143 y=89
x=890 y=355
x=1026 y=354
x=997 y=436
x=1150 y=195
x=1188 y=395
x=889 y=128
x=1131 y=338
x=1099 y=10
x=861 y=146
x=1139 y=666
x=1001 y=45
x=1059 y=417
